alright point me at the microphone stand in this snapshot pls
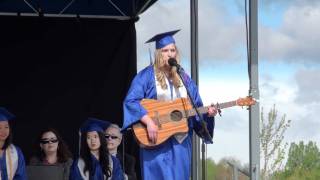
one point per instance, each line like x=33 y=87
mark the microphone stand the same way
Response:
x=204 y=129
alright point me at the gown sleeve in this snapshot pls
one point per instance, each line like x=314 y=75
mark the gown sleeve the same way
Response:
x=196 y=121
x=20 y=173
x=75 y=172
x=117 y=173
x=132 y=109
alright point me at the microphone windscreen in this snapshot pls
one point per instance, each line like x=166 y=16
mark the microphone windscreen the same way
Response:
x=172 y=62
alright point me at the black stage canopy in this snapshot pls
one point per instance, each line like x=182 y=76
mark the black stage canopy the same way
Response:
x=57 y=72
x=58 y=68
x=121 y=9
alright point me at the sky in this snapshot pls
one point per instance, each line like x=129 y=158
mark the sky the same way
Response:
x=289 y=68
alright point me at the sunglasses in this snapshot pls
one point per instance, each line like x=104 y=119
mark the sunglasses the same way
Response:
x=110 y=137
x=49 y=141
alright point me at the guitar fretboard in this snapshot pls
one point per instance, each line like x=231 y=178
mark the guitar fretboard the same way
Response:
x=202 y=110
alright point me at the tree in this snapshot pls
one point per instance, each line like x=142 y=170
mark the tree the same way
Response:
x=271 y=139
x=306 y=157
x=211 y=168
x=224 y=171
x=303 y=162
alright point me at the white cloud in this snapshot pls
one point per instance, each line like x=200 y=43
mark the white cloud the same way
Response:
x=232 y=129
x=284 y=94
x=289 y=2
x=220 y=37
x=228 y=144
x=308 y=86
x=274 y=44
x=222 y=34
x=296 y=40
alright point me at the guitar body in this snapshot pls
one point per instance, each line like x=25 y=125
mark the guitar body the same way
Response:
x=170 y=116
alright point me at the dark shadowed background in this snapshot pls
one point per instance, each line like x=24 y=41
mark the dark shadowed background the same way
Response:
x=59 y=71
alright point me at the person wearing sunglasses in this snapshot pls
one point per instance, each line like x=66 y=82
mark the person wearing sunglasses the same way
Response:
x=95 y=162
x=51 y=149
x=12 y=164
x=114 y=138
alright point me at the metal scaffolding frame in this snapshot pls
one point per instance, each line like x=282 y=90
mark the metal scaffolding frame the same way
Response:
x=254 y=126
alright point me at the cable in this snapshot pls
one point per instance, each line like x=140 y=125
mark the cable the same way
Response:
x=247 y=40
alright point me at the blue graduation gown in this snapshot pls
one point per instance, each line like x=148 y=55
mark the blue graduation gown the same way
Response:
x=170 y=160
x=20 y=170
x=117 y=173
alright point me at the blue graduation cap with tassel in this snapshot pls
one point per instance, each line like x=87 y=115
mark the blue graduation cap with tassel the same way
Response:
x=5 y=115
x=163 y=39
x=93 y=124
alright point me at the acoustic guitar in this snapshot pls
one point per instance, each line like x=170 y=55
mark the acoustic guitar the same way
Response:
x=172 y=117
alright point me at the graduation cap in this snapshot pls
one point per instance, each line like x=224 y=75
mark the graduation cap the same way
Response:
x=93 y=124
x=5 y=115
x=163 y=39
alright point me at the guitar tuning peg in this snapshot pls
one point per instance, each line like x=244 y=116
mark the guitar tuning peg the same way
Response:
x=219 y=112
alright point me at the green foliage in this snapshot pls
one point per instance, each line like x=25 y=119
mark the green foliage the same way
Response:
x=211 y=168
x=222 y=170
x=299 y=174
x=303 y=156
x=271 y=139
x=303 y=163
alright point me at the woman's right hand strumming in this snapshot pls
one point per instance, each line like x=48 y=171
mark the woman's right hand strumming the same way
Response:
x=152 y=128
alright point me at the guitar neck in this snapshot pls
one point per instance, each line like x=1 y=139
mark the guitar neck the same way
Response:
x=202 y=110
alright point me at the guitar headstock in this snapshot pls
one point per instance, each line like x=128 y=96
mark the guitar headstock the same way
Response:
x=247 y=101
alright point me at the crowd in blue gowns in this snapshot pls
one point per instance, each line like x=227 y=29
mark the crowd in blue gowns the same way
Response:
x=12 y=164
x=76 y=174
x=170 y=160
x=13 y=167
x=18 y=170
x=95 y=126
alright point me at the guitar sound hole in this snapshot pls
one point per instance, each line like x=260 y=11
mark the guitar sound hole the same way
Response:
x=176 y=115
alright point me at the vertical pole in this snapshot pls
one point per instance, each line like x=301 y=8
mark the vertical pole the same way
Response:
x=204 y=161
x=195 y=175
x=254 y=113
x=235 y=175
x=235 y=169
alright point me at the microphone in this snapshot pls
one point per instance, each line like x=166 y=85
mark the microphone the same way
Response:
x=173 y=62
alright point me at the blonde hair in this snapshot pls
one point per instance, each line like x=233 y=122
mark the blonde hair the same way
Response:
x=160 y=75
